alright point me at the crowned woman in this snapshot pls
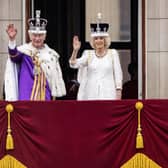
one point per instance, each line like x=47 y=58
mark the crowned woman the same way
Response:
x=99 y=69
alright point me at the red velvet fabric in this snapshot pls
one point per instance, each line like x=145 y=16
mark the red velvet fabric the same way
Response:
x=80 y=134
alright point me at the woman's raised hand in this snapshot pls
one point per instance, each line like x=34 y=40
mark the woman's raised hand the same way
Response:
x=11 y=31
x=76 y=43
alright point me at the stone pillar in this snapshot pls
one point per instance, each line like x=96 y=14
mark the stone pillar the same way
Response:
x=11 y=11
x=157 y=49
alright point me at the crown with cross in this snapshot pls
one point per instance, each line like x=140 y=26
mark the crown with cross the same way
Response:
x=37 y=25
x=98 y=28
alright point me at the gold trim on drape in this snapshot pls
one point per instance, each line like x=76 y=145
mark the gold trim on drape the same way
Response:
x=140 y=160
x=10 y=162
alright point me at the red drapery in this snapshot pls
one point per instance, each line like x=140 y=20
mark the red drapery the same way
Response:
x=80 y=134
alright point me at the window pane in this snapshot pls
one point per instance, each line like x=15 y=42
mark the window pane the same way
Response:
x=125 y=59
x=115 y=12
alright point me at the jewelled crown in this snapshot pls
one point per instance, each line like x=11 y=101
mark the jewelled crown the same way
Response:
x=98 y=28
x=37 y=24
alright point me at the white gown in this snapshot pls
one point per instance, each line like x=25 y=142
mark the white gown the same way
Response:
x=99 y=77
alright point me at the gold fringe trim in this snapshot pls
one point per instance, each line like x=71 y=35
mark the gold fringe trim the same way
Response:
x=139 y=138
x=34 y=86
x=140 y=160
x=9 y=138
x=39 y=86
x=10 y=162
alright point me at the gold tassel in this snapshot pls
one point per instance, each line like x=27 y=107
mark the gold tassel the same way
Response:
x=9 y=139
x=139 y=141
x=139 y=138
x=9 y=142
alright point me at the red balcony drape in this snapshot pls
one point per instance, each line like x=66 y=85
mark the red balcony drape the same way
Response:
x=80 y=134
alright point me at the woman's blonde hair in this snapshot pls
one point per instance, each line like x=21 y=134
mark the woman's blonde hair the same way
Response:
x=107 y=41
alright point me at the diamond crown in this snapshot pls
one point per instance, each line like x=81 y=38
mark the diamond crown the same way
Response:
x=37 y=23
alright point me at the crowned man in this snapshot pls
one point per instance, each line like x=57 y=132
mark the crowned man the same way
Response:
x=33 y=71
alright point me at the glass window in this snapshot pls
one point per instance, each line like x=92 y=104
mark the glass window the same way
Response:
x=125 y=59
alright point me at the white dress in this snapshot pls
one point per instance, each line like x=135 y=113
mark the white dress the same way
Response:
x=99 y=77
